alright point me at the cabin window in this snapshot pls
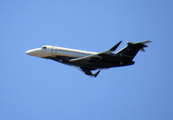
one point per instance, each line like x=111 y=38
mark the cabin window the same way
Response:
x=44 y=47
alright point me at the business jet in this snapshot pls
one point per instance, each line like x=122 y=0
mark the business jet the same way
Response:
x=89 y=61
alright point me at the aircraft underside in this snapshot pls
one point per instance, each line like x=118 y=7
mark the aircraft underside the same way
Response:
x=92 y=65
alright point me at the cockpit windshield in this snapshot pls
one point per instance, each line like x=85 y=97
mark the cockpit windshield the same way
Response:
x=44 y=47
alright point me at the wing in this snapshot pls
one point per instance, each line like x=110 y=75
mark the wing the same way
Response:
x=90 y=58
x=88 y=72
x=95 y=57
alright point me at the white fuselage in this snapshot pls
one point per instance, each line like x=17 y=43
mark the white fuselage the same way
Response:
x=53 y=51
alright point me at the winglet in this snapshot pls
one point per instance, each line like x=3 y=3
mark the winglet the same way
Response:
x=141 y=45
x=95 y=75
x=92 y=75
x=115 y=47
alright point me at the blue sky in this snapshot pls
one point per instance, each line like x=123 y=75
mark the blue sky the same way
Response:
x=32 y=88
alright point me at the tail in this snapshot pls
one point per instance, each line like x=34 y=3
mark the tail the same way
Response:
x=130 y=51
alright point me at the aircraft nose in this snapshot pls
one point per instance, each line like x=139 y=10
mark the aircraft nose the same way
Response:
x=31 y=52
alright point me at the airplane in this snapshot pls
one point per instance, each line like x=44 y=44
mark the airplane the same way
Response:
x=89 y=61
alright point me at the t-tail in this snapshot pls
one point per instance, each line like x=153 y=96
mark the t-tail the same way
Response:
x=132 y=49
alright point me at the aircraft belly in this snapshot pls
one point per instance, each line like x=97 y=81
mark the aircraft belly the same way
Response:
x=97 y=65
x=92 y=65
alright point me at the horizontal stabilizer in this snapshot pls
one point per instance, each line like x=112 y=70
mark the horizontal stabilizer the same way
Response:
x=141 y=45
x=146 y=42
